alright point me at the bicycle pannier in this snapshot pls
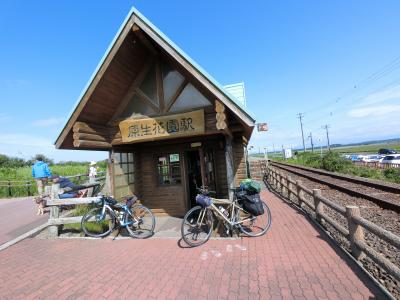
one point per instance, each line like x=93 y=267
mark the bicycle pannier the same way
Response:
x=250 y=186
x=203 y=200
x=253 y=204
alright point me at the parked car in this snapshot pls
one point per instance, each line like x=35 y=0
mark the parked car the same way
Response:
x=372 y=158
x=387 y=151
x=391 y=159
x=355 y=157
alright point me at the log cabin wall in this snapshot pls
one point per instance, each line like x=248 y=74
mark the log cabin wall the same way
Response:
x=239 y=161
x=220 y=167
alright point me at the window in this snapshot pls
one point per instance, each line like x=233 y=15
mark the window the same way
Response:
x=124 y=174
x=189 y=98
x=136 y=106
x=168 y=169
x=172 y=79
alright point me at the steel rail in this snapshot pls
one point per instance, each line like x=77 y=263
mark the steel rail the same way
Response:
x=374 y=198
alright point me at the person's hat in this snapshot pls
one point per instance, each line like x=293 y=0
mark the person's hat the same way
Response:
x=92 y=163
x=54 y=176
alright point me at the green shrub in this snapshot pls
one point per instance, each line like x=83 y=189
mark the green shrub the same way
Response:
x=332 y=161
x=364 y=172
x=393 y=174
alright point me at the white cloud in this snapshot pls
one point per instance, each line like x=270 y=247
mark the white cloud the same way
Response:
x=373 y=111
x=48 y=122
x=24 y=140
x=385 y=95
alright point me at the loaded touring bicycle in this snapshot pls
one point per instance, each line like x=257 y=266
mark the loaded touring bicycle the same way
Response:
x=247 y=213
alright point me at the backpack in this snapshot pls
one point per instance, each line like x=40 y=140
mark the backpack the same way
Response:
x=253 y=204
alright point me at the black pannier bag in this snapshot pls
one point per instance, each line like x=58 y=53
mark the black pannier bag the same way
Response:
x=253 y=204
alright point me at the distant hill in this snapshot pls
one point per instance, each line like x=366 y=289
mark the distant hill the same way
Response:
x=388 y=141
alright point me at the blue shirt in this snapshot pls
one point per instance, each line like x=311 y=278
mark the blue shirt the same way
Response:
x=40 y=170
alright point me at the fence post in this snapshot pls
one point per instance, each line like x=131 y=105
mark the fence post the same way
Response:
x=273 y=178
x=356 y=232
x=300 y=193
x=9 y=189
x=289 y=186
x=54 y=210
x=279 y=183
x=319 y=206
x=28 y=187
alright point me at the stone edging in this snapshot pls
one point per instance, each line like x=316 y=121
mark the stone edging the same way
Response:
x=23 y=236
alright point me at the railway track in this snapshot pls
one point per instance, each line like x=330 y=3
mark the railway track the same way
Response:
x=386 y=195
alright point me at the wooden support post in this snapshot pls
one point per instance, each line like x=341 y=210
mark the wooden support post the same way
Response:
x=356 y=232
x=9 y=189
x=279 y=178
x=282 y=184
x=289 y=184
x=229 y=165
x=300 y=193
x=54 y=210
x=28 y=187
x=319 y=206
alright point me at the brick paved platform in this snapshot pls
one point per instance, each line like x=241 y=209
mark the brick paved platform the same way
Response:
x=293 y=261
x=17 y=216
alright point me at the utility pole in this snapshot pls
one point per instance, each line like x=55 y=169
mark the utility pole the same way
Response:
x=312 y=144
x=300 y=116
x=327 y=135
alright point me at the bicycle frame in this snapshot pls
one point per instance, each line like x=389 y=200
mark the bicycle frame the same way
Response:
x=112 y=211
x=232 y=206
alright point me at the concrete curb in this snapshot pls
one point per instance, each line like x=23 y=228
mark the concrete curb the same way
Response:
x=23 y=236
x=336 y=243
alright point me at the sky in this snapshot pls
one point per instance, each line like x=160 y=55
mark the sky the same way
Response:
x=336 y=62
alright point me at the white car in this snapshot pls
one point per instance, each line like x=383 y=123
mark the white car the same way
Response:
x=373 y=158
x=391 y=159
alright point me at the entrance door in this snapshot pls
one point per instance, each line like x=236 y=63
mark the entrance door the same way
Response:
x=200 y=172
x=193 y=175
x=209 y=169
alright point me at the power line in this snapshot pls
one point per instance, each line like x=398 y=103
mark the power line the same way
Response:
x=380 y=73
x=300 y=116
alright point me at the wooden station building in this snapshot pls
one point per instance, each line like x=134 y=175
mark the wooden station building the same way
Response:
x=167 y=124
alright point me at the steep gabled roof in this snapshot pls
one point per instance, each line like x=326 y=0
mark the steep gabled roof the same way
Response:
x=135 y=17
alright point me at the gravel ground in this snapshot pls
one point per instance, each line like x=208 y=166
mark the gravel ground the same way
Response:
x=386 y=219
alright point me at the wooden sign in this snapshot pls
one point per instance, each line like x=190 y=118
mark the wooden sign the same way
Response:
x=164 y=127
x=262 y=127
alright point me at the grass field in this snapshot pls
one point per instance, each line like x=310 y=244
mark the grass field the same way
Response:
x=370 y=149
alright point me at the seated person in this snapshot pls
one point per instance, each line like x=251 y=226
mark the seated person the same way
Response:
x=68 y=189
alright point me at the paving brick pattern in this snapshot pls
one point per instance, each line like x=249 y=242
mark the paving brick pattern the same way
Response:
x=293 y=261
x=17 y=216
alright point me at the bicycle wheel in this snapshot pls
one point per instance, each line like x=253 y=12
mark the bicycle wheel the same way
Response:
x=197 y=226
x=254 y=225
x=95 y=224
x=143 y=222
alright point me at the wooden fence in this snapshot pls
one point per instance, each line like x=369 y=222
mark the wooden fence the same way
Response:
x=28 y=187
x=354 y=233
x=376 y=165
x=55 y=220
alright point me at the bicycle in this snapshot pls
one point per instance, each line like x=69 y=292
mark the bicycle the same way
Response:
x=198 y=222
x=101 y=220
